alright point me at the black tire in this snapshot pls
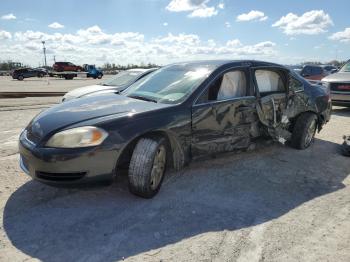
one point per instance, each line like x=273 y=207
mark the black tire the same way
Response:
x=143 y=168
x=99 y=76
x=20 y=78
x=69 y=77
x=304 y=131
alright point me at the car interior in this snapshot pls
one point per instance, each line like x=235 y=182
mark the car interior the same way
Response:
x=230 y=85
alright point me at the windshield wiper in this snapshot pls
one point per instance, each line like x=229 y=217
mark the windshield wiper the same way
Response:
x=143 y=98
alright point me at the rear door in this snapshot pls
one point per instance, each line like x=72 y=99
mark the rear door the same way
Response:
x=273 y=95
x=223 y=116
x=31 y=73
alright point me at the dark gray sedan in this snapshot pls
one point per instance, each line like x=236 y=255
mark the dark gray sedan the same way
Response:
x=178 y=113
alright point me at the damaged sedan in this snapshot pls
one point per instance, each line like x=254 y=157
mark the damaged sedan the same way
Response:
x=170 y=117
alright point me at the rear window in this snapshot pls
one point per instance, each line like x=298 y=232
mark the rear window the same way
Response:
x=123 y=78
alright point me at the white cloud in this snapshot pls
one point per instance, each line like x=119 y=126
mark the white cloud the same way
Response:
x=204 y=12
x=310 y=23
x=251 y=16
x=5 y=35
x=8 y=17
x=29 y=36
x=234 y=43
x=227 y=24
x=165 y=24
x=124 y=47
x=221 y=6
x=198 y=8
x=342 y=36
x=187 y=39
x=56 y=25
x=185 y=5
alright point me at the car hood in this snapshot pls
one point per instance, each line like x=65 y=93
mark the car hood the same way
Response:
x=338 y=77
x=82 y=91
x=79 y=110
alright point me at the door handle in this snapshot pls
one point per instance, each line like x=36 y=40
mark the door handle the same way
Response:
x=243 y=108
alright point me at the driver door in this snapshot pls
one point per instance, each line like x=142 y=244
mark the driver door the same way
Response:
x=223 y=115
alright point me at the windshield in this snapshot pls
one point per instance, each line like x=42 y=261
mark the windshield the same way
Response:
x=345 y=68
x=171 y=84
x=123 y=78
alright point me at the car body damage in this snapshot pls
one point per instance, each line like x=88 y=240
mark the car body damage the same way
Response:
x=277 y=112
x=178 y=113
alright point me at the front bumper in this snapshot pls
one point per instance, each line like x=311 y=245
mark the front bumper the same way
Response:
x=57 y=166
x=340 y=98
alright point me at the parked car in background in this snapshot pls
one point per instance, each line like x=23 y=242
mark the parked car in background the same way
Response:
x=339 y=84
x=117 y=83
x=177 y=113
x=330 y=69
x=66 y=66
x=314 y=72
x=22 y=73
x=297 y=68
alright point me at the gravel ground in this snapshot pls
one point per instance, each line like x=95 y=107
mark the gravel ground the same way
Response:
x=46 y=84
x=271 y=204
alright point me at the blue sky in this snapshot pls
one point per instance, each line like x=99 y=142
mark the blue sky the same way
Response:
x=164 y=31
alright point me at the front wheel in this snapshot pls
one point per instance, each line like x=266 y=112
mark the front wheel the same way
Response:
x=304 y=131
x=147 y=167
x=20 y=78
x=99 y=76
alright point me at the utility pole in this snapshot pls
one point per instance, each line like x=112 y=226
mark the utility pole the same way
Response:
x=44 y=49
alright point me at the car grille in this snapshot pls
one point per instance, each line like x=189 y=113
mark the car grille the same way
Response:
x=60 y=176
x=340 y=87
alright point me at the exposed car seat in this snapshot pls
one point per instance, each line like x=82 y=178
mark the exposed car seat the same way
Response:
x=233 y=85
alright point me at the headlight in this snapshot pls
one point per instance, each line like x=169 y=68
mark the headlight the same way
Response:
x=78 y=137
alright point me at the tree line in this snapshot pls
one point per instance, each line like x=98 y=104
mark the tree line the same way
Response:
x=113 y=66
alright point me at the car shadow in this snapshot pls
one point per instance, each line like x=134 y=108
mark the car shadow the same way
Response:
x=230 y=192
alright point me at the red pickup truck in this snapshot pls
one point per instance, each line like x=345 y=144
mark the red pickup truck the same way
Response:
x=66 y=66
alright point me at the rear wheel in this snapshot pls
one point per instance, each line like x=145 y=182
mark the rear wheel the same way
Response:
x=99 y=76
x=304 y=131
x=147 y=167
x=68 y=77
x=20 y=77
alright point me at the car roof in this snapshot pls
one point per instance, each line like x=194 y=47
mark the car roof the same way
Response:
x=140 y=69
x=314 y=65
x=218 y=63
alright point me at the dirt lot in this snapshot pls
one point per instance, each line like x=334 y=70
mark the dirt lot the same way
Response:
x=46 y=84
x=271 y=204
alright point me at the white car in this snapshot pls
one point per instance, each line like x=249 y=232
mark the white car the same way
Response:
x=118 y=83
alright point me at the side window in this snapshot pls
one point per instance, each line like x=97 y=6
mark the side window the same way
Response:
x=269 y=82
x=230 y=85
x=307 y=70
x=295 y=84
x=316 y=70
